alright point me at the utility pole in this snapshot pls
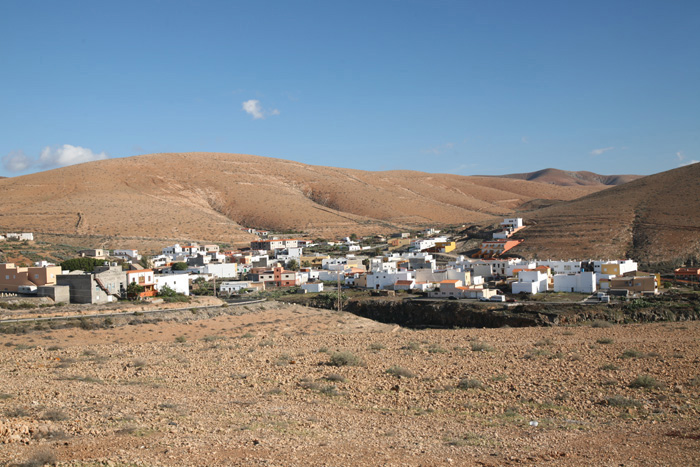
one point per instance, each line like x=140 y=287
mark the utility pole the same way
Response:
x=340 y=301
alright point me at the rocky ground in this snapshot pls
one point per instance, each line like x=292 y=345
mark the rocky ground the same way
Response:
x=278 y=384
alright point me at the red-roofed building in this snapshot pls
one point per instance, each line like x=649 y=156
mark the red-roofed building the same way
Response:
x=276 y=277
x=145 y=278
x=492 y=248
x=687 y=275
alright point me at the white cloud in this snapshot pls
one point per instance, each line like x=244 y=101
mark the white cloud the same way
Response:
x=253 y=107
x=67 y=155
x=51 y=158
x=598 y=152
x=688 y=163
x=17 y=161
x=680 y=155
x=524 y=139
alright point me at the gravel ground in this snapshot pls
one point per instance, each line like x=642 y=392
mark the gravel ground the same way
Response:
x=294 y=386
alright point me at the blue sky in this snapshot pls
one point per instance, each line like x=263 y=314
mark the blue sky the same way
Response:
x=463 y=87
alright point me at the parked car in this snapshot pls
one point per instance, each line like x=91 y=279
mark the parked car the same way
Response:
x=497 y=298
x=483 y=299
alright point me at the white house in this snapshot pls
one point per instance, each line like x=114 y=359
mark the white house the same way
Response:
x=233 y=286
x=129 y=255
x=531 y=281
x=581 y=282
x=174 y=250
x=216 y=269
x=456 y=289
x=313 y=287
x=513 y=222
x=381 y=280
x=561 y=267
x=178 y=282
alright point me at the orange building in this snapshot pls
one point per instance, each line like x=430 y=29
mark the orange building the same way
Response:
x=492 y=248
x=687 y=275
x=20 y=279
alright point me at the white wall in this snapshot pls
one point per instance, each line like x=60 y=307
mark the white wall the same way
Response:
x=180 y=283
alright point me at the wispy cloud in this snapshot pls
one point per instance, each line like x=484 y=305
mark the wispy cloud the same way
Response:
x=254 y=108
x=681 y=158
x=50 y=158
x=16 y=161
x=439 y=149
x=524 y=139
x=598 y=152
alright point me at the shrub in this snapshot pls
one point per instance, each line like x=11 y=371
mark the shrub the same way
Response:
x=605 y=340
x=411 y=346
x=42 y=456
x=644 y=381
x=632 y=353
x=609 y=367
x=180 y=339
x=54 y=415
x=377 y=346
x=16 y=412
x=544 y=342
x=434 y=348
x=620 y=401
x=334 y=377
x=344 y=359
x=400 y=372
x=481 y=347
x=467 y=383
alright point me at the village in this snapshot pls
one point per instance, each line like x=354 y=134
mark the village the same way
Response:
x=422 y=263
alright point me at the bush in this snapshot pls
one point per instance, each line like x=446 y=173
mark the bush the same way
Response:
x=334 y=377
x=644 y=381
x=605 y=340
x=180 y=339
x=400 y=372
x=467 y=383
x=54 y=415
x=344 y=359
x=632 y=353
x=84 y=264
x=42 y=456
x=620 y=401
x=481 y=347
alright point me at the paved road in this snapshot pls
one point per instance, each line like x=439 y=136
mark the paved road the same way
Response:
x=133 y=313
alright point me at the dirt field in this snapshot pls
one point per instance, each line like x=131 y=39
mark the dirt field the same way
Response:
x=261 y=388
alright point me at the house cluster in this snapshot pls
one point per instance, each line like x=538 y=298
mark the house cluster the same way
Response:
x=406 y=264
x=105 y=284
x=21 y=237
x=615 y=277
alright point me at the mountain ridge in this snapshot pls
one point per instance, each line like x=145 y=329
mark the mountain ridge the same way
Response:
x=572 y=178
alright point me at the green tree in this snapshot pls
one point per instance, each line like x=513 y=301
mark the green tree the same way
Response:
x=83 y=264
x=293 y=265
x=179 y=266
x=353 y=237
x=133 y=290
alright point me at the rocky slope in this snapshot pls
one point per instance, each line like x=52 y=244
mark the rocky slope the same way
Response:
x=262 y=388
x=210 y=196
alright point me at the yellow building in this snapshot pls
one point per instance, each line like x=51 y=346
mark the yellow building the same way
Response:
x=20 y=279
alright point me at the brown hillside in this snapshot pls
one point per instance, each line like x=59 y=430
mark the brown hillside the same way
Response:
x=210 y=195
x=655 y=220
x=568 y=178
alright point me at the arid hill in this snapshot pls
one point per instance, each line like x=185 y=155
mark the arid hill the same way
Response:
x=655 y=220
x=569 y=178
x=209 y=196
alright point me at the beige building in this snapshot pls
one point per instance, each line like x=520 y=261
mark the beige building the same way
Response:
x=20 y=279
